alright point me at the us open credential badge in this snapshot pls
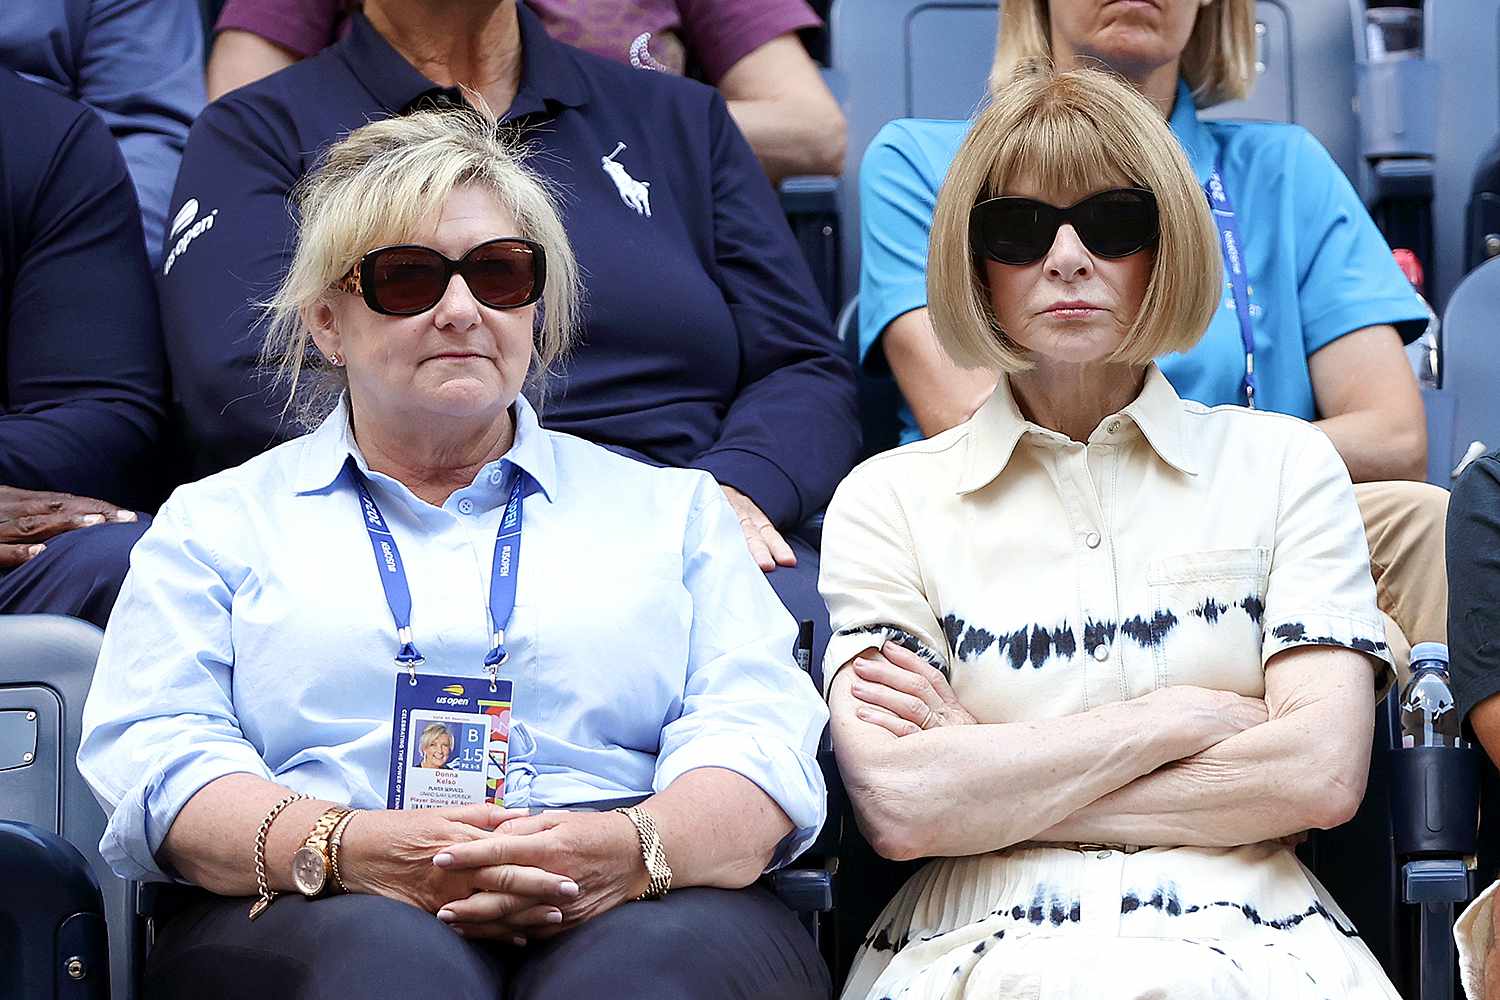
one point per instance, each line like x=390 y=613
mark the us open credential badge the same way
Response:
x=450 y=738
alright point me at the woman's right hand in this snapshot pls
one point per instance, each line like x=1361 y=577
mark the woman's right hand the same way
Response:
x=389 y=853
x=900 y=692
x=1208 y=716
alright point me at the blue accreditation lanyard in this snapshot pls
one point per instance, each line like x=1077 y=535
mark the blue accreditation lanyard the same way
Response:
x=504 y=569
x=1222 y=210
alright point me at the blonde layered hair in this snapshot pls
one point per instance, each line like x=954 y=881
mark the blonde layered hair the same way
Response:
x=385 y=183
x=1082 y=130
x=1218 y=62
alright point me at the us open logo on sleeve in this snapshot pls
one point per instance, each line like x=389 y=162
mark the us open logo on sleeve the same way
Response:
x=186 y=227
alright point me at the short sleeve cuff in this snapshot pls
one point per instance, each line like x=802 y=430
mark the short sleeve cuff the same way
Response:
x=880 y=308
x=139 y=823
x=846 y=643
x=1404 y=312
x=719 y=54
x=1328 y=630
x=760 y=479
x=790 y=777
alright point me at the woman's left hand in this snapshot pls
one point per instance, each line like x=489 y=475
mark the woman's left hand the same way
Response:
x=599 y=851
x=899 y=691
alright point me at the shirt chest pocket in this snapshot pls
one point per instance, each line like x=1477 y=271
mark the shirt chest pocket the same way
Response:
x=1209 y=607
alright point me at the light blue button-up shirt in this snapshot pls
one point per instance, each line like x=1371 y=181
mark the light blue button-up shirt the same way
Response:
x=252 y=636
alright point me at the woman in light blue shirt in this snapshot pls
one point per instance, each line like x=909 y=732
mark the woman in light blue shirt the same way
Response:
x=291 y=628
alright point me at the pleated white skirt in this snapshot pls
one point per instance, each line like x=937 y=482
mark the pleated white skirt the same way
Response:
x=1048 y=923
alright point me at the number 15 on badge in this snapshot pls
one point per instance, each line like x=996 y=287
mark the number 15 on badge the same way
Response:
x=450 y=737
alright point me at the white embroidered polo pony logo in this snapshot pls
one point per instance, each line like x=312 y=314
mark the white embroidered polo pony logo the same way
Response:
x=636 y=194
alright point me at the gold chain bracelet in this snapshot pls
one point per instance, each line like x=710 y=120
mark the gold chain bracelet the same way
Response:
x=261 y=885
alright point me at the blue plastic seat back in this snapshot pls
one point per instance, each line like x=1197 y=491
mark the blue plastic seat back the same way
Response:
x=46 y=667
x=1471 y=362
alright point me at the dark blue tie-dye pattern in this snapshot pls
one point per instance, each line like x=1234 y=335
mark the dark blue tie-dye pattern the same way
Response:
x=1037 y=645
x=1165 y=899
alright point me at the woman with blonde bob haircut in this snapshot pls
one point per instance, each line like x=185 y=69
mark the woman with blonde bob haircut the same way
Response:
x=290 y=624
x=1099 y=651
x=1059 y=131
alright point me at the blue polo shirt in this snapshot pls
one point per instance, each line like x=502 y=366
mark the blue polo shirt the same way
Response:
x=704 y=343
x=1318 y=266
x=82 y=377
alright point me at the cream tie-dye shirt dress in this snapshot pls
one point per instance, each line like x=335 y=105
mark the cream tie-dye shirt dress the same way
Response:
x=1180 y=544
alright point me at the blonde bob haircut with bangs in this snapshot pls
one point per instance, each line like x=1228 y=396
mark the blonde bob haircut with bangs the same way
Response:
x=387 y=182
x=1218 y=62
x=1085 y=131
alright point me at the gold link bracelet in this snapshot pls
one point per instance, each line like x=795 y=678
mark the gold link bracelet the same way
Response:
x=264 y=888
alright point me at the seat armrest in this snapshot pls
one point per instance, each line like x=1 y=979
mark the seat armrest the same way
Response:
x=804 y=890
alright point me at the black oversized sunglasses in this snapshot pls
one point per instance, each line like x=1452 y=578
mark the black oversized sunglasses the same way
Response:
x=1115 y=223
x=404 y=280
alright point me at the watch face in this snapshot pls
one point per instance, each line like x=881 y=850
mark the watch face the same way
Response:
x=309 y=872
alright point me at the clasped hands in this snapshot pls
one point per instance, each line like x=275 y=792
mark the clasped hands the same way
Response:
x=497 y=874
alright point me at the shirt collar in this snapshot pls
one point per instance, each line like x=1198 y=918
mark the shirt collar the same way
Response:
x=998 y=426
x=550 y=76
x=328 y=448
x=1196 y=140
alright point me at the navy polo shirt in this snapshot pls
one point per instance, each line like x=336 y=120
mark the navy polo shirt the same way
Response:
x=82 y=377
x=704 y=343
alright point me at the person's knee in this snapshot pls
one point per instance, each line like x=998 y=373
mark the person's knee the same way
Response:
x=400 y=948
x=758 y=946
x=79 y=573
x=1412 y=510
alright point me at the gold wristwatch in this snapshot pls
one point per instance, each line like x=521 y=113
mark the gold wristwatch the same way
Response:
x=311 y=865
x=658 y=872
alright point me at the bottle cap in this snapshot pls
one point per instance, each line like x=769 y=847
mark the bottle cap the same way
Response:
x=1428 y=651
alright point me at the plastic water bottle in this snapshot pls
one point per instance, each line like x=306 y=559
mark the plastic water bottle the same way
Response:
x=1429 y=716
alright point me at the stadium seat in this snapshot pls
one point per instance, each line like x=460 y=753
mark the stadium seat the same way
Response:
x=46 y=665
x=1470 y=365
x=1462 y=38
x=52 y=937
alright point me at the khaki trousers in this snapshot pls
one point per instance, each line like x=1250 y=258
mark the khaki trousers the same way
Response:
x=1405 y=523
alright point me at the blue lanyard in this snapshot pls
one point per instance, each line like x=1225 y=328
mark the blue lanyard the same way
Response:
x=1222 y=210
x=503 y=572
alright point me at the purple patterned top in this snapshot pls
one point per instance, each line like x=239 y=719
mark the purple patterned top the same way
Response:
x=708 y=36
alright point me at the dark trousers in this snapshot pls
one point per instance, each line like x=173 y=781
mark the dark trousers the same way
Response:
x=78 y=574
x=797 y=586
x=695 y=944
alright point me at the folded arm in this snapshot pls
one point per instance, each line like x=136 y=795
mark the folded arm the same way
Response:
x=934 y=792
x=1304 y=769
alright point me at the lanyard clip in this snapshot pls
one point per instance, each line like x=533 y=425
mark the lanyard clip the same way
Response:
x=407 y=656
x=496 y=657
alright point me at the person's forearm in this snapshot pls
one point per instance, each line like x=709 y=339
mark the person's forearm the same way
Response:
x=212 y=841
x=1377 y=448
x=792 y=136
x=717 y=828
x=1286 y=776
x=240 y=57
x=941 y=394
x=964 y=790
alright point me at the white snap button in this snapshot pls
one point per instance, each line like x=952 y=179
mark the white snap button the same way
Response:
x=495 y=477
x=1101 y=652
x=1092 y=539
x=466 y=506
